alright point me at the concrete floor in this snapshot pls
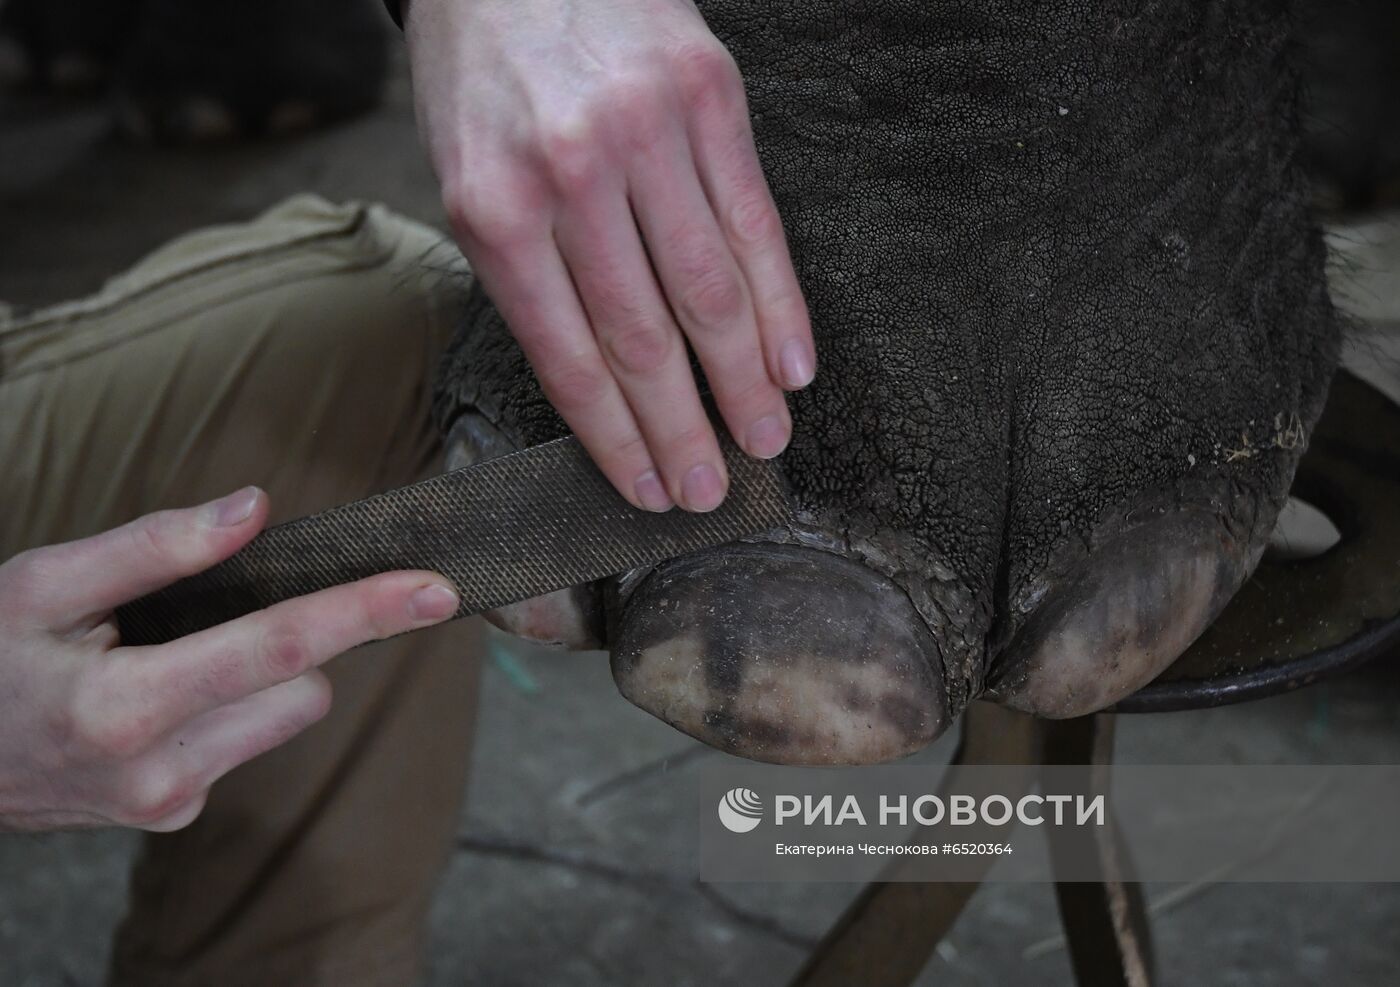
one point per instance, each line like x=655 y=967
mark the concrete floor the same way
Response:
x=578 y=838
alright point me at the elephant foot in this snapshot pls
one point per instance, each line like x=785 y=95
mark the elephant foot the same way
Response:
x=1073 y=325
x=797 y=648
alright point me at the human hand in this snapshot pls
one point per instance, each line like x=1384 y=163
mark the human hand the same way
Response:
x=599 y=172
x=93 y=733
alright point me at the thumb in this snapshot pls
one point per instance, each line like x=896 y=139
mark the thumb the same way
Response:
x=68 y=584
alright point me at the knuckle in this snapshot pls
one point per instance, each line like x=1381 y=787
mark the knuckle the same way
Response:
x=610 y=294
x=155 y=537
x=710 y=291
x=458 y=202
x=283 y=652
x=312 y=703
x=753 y=218
x=712 y=297
x=704 y=69
x=623 y=458
x=575 y=385
x=696 y=441
x=503 y=230
x=223 y=675
x=750 y=396
x=638 y=111
x=502 y=218
x=24 y=577
x=100 y=729
x=632 y=449
x=640 y=349
x=111 y=738
x=318 y=700
x=381 y=613
x=181 y=816
x=622 y=455
x=151 y=793
x=571 y=154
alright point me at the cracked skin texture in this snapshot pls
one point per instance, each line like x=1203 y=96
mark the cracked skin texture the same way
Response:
x=1071 y=320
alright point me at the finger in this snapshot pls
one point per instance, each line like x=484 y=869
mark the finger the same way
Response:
x=214 y=744
x=707 y=292
x=508 y=238
x=66 y=586
x=530 y=285
x=732 y=177
x=175 y=776
x=161 y=687
x=642 y=344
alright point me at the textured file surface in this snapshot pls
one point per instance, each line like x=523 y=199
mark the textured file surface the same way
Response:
x=501 y=531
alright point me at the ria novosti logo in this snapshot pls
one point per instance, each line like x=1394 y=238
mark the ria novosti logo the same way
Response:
x=740 y=810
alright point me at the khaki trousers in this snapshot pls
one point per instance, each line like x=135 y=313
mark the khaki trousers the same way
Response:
x=294 y=352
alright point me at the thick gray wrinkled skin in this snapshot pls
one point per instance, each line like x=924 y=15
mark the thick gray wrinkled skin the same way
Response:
x=1072 y=334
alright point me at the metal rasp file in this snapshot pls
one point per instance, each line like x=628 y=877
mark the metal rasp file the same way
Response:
x=501 y=531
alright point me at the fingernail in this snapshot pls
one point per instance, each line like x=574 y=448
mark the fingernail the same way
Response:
x=432 y=603
x=236 y=508
x=702 y=488
x=795 y=364
x=766 y=437
x=651 y=493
